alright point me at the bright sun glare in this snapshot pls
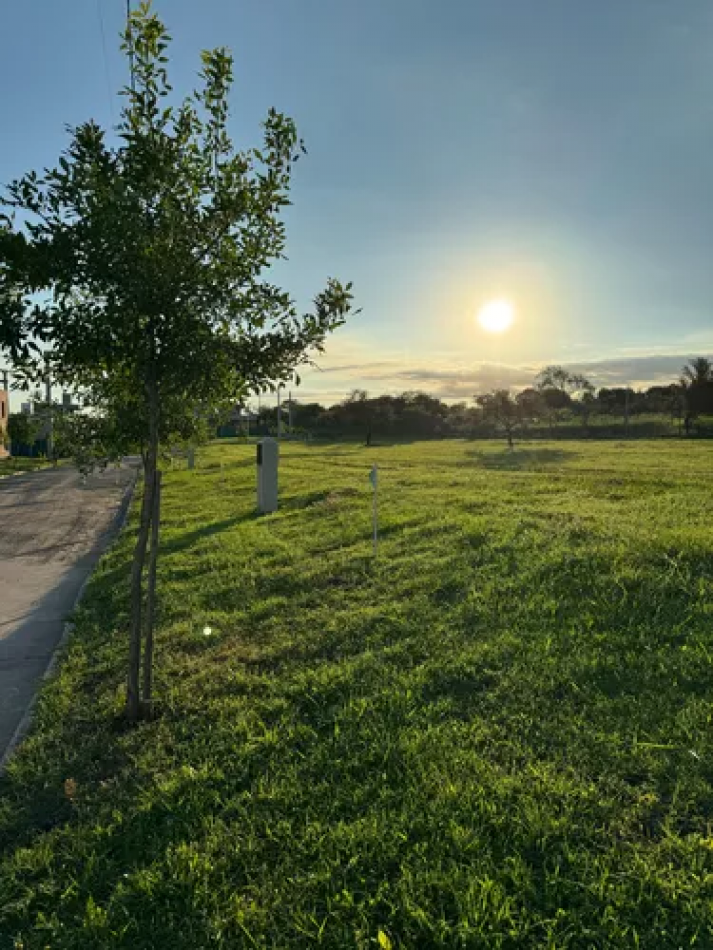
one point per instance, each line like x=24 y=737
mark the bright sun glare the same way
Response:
x=496 y=316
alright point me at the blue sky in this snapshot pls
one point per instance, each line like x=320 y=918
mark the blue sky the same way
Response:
x=554 y=152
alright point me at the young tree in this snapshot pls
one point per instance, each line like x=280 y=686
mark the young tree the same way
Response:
x=502 y=410
x=151 y=255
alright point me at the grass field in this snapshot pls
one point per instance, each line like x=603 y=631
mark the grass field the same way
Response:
x=497 y=734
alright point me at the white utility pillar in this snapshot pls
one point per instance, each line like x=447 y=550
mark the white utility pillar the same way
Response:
x=267 y=461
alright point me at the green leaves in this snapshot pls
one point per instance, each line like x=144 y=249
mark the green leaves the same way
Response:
x=150 y=256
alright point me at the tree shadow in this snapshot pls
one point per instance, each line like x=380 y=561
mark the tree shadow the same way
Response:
x=327 y=498
x=188 y=539
x=520 y=459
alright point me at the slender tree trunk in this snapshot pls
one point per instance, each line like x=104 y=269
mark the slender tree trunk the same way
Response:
x=147 y=678
x=133 y=699
x=137 y=574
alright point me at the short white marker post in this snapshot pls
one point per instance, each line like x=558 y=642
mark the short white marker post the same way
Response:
x=191 y=458
x=374 y=479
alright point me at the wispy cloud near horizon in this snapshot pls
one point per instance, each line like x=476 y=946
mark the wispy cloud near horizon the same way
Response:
x=348 y=365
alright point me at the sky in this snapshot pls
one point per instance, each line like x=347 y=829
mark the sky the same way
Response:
x=556 y=153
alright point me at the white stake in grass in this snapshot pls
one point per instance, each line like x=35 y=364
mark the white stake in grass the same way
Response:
x=374 y=479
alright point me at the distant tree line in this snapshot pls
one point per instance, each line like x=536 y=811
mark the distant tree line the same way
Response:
x=559 y=404
x=567 y=404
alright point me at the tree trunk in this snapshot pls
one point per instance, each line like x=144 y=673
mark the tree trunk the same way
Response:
x=137 y=592
x=133 y=699
x=147 y=681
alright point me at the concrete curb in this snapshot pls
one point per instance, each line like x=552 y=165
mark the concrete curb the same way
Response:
x=117 y=527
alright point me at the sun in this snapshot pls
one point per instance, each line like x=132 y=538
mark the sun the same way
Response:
x=496 y=316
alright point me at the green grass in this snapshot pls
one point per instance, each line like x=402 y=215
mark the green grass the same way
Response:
x=496 y=735
x=12 y=465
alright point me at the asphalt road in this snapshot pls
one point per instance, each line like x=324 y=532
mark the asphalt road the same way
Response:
x=53 y=530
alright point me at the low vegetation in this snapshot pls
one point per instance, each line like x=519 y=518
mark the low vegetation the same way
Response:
x=496 y=734
x=14 y=466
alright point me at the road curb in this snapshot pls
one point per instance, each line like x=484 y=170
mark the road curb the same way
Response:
x=117 y=526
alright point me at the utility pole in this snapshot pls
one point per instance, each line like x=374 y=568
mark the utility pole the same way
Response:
x=626 y=410
x=131 y=56
x=289 y=417
x=279 y=413
x=4 y=407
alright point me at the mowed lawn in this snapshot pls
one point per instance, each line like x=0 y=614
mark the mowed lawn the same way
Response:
x=496 y=734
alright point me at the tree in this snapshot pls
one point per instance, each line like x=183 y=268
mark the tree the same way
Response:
x=698 y=371
x=151 y=256
x=462 y=419
x=557 y=386
x=557 y=377
x=502 y=410
x=553 y=377
x=666 y=399
x=22 y=429
x=530 y=405
x=584 y=406
x=422 y=416
x=356 y=412
x=697 y=382
x=306 y=416
x=555 y=402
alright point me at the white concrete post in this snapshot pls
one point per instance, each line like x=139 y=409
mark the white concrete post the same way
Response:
x=267 y=462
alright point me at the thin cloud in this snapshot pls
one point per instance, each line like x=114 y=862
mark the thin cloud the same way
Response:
x=453 y=380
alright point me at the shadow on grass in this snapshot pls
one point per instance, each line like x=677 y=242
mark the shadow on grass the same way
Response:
x=327 y=498
x=213 y=466
x=189 y=538
x=520 y=459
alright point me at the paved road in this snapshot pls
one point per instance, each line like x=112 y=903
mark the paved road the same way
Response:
x=52 y=532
